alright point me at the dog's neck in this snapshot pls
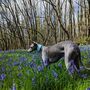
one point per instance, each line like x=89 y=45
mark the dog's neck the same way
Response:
x=39 y=47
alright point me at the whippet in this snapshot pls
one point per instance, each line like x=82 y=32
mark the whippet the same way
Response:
x=67 y=49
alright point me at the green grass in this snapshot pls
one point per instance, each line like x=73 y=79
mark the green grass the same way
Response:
x=17 y=65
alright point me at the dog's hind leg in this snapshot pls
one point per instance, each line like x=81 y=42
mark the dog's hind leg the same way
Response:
x=76 y=63
x=72 y=62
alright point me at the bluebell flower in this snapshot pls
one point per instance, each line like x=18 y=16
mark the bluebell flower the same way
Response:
x=6 y=51
x=25 y=64
x=2 y=76
x=2 y=57
x=54 y=74
x=23 y=59
x=12 y=51
x=40 y=68
x=19 y=75
x=84 y=76
x=3 y=69
x=10 y=59
x=60 y=65
x=89 y=48
x=82 y=68
x=16 y=63
x=32 y=65
x=88 y=88
x=83 y=49
x=13 y=87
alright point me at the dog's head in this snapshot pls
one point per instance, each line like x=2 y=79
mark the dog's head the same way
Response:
x=35 y=46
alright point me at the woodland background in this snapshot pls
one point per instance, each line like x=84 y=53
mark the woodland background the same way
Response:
x=44 y=21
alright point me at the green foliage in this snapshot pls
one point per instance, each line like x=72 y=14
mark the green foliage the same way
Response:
x=82 y=40
x=20 y=73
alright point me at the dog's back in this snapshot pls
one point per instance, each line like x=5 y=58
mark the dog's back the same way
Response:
x=60 y=47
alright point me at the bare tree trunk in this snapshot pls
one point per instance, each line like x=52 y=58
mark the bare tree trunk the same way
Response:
x=70 y=18
x=58 y=16
x=89 y=18
x=65 y=17
x=85 y=19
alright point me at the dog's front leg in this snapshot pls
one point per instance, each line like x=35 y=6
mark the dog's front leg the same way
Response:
x=45 y=59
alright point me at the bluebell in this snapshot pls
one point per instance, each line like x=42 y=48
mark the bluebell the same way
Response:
x=54 y=74
x=88 y=88
x=2 y=76
x=60 y=65
x=40 y=68
x=13 y=88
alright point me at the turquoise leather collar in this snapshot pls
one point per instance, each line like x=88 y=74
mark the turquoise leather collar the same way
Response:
x=39 y=47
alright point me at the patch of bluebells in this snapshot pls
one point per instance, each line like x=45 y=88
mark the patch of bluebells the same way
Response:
x=40 y=68
x=12 y=51
x=10 y=59
x=84 y=48
x=22 y=59
x=13 y=87
x=60 y=66
x=33 y=64
x=9 y=51
x=84 y=76
x=19 y=75
x=16 y=63
x=54 y=74
x=2 y=76
x=2 y=57
x=3 y=69
x=82 y=68
x=88 y=88
x=25 y=64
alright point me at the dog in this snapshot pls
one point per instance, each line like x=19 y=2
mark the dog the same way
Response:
x=67 y=49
